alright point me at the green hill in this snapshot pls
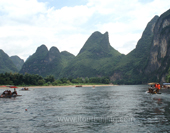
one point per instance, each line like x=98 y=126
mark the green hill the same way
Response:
x=18 y=62
x=94 y=58
x=6 y=64
x=44 y=62
x=66 y=57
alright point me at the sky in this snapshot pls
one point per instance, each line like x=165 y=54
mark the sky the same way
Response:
x=67 y=24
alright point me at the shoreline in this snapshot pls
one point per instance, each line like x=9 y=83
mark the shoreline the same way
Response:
x=56 y=86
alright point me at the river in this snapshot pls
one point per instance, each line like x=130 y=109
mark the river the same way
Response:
x=124 y=108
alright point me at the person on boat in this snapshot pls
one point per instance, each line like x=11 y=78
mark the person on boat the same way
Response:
x=9 y=92
x=6 y=93
x=158 y=88
x=15 y=92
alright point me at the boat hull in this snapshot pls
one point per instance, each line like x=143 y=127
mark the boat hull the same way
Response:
x=8 y=96
x=153 y=91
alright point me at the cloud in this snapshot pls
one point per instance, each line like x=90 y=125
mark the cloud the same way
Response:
x=26 y=24
x=128 y=21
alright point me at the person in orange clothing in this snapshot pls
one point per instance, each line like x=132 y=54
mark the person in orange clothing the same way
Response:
x=158 y=88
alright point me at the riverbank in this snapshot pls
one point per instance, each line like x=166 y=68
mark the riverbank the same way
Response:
x=57 y=86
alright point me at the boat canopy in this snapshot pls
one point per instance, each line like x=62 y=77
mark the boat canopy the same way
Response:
x=153 y=83
x=13 y=87
x=166 y=83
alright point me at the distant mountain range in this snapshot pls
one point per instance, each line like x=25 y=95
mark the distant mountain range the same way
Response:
x=149 y=61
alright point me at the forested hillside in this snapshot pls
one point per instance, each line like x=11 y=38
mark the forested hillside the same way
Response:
x=6 y=64
x=18 y=62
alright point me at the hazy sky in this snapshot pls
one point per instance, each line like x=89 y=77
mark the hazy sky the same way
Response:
x=67 y=24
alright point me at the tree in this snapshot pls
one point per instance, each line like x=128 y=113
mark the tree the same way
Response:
x=57 y=82
x=64 y=80
x=75 y=81
x=86 y=80
x=105 y=80
x=80 y=80
x=49 y=78
x=41 y=82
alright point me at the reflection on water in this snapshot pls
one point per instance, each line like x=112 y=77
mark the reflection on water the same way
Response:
x=85 y=109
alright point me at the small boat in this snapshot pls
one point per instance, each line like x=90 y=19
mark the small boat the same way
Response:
x=166 y=85
x=9 y=94
x=24 y=89
x=153 y=88
x=78 y=85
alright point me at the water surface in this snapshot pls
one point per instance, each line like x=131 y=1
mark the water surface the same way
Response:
x=125 y=108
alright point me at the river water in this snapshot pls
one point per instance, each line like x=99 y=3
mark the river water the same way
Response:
x=124 y=108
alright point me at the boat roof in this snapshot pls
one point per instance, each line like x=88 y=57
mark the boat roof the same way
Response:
x=166 y=83
x=153 y=83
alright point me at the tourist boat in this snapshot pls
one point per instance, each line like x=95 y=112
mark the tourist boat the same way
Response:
x=25 y=89
x=9 y=94
x=152 y=89
x=166 y=85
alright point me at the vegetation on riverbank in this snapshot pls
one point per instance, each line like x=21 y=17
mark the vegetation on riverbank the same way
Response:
x=37 y=80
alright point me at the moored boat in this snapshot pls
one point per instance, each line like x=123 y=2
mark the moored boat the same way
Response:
x=166 y=85
x=78 y=85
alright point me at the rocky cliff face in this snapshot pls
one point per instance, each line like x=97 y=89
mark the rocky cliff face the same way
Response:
x=130 y=69
x=150 y=60
x=160 y=50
